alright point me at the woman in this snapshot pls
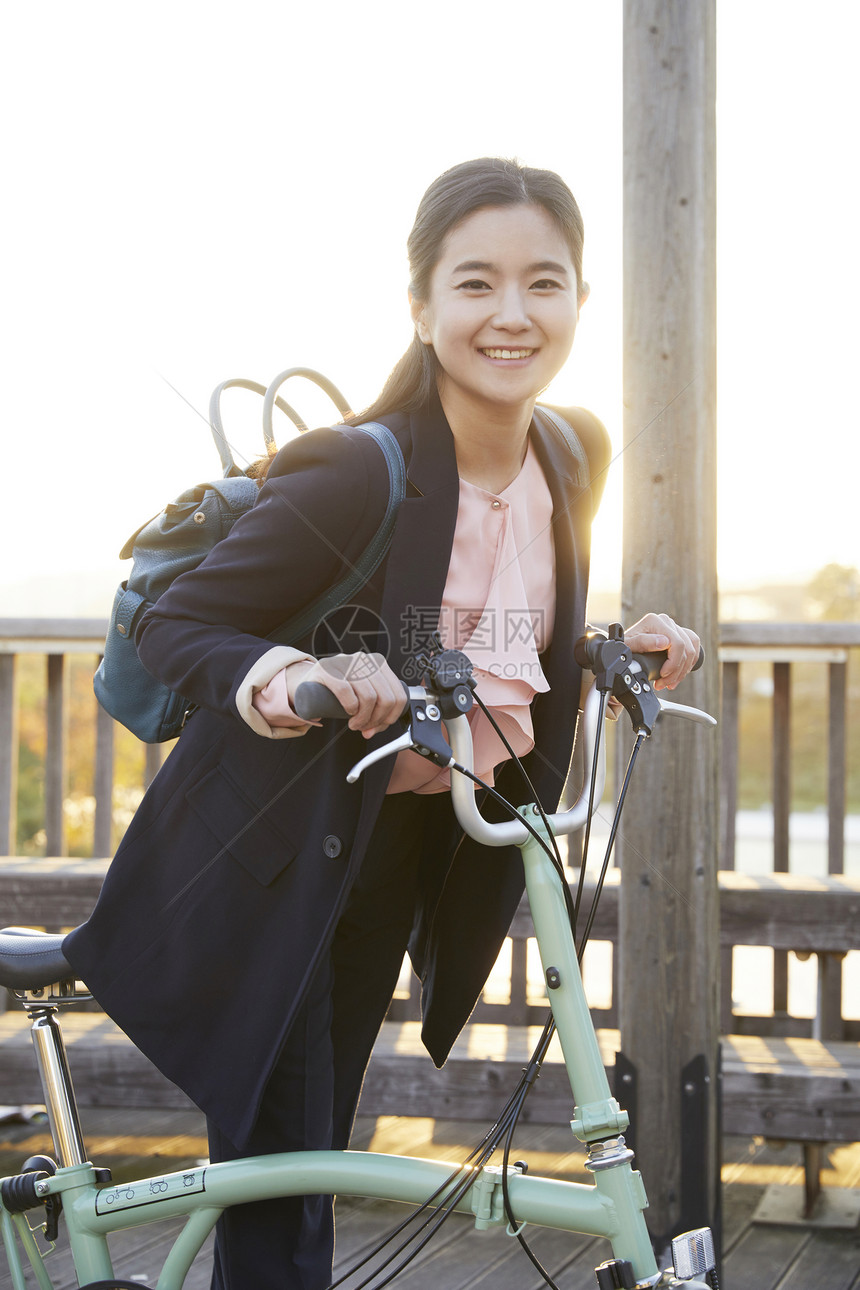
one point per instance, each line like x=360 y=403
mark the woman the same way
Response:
x=252 y=926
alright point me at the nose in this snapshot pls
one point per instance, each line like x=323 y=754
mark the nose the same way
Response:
x=512 y=313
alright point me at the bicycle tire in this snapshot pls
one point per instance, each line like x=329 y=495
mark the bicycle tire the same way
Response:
x=115 y=1285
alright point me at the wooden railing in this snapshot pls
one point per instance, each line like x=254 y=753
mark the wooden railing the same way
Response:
x=779 y=644
x=58 y=639
x=783 y=645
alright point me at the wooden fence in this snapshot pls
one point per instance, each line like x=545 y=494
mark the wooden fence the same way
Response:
x=784 y=1076
x=780 y=645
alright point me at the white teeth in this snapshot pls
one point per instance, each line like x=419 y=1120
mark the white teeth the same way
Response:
x=507 y=353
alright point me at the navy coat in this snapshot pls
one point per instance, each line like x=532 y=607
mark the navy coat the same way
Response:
x=228 y=884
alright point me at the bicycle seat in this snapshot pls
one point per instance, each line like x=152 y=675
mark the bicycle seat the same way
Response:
x=30 y=960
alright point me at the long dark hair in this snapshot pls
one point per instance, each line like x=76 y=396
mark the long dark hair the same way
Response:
x=456 y=194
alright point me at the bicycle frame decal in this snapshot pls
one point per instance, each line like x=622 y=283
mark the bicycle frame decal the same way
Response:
x=150 y=1190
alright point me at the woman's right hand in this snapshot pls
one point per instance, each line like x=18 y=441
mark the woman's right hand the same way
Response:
x=363 y=683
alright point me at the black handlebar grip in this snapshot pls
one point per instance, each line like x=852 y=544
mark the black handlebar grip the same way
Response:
x=586 y=649
x=588 y=653
x=652 y=663
x=314 y=701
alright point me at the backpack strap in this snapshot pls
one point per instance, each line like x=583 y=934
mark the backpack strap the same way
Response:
x=571 y=439
x=372 y=556
x=378 y=546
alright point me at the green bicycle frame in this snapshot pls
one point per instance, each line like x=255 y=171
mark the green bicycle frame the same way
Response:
x=611 y=1207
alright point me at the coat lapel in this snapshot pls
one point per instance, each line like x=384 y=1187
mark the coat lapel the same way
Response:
x=555 y=713
x=417 y=566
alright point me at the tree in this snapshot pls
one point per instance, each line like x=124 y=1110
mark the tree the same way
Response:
x=835 y=590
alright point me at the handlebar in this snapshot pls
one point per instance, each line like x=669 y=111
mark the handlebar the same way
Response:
x=652 y=664
x=617 y=671
x=589 y=649
x=315 y=701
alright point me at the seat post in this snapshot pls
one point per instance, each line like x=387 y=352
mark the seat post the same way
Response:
x=57 y=1087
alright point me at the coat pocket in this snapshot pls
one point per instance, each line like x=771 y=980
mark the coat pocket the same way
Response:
x=245 y=830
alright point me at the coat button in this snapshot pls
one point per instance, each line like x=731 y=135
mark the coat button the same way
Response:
x=332 y=846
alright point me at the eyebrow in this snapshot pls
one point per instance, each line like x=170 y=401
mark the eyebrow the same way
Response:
x=483 y=266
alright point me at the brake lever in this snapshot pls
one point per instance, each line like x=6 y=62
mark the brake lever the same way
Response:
x=684 y=710
x=645 y=707
x=391 y=749
x=423 y=736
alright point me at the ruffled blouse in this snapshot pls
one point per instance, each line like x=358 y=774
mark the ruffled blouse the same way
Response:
x=498 y=606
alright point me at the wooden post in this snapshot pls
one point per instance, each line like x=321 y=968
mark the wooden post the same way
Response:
x=103 y=784
x=8 y=755
x=781 y=759
x=836 y=766
x=8 y=766
x=729 y=751
x=153 y=757
x=669 y=942
x=830 y=1023
x=55 y=756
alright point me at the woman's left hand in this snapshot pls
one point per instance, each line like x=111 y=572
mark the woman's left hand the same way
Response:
x=655 y=632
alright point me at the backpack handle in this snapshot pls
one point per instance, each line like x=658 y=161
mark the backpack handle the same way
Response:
x=329 y=387
x=217 y=425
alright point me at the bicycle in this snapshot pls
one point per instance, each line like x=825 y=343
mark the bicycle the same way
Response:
x=33 y=967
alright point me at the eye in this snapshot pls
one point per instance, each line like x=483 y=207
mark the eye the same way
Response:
x=546 y=284
x=473 y=284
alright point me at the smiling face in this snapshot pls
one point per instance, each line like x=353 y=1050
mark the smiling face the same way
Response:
x=502 y=310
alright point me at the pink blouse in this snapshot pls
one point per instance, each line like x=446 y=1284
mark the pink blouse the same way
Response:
x=498 y=606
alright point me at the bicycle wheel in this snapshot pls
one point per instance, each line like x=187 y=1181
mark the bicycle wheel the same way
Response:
x=115 y=1285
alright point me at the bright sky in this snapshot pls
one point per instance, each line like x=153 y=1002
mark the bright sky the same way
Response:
x=194 y=192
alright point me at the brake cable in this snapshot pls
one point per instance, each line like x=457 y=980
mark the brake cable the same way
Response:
x=504 y=1127
x=532 y=1072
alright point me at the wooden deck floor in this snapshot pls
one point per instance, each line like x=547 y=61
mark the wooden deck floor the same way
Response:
x=756 y=1256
